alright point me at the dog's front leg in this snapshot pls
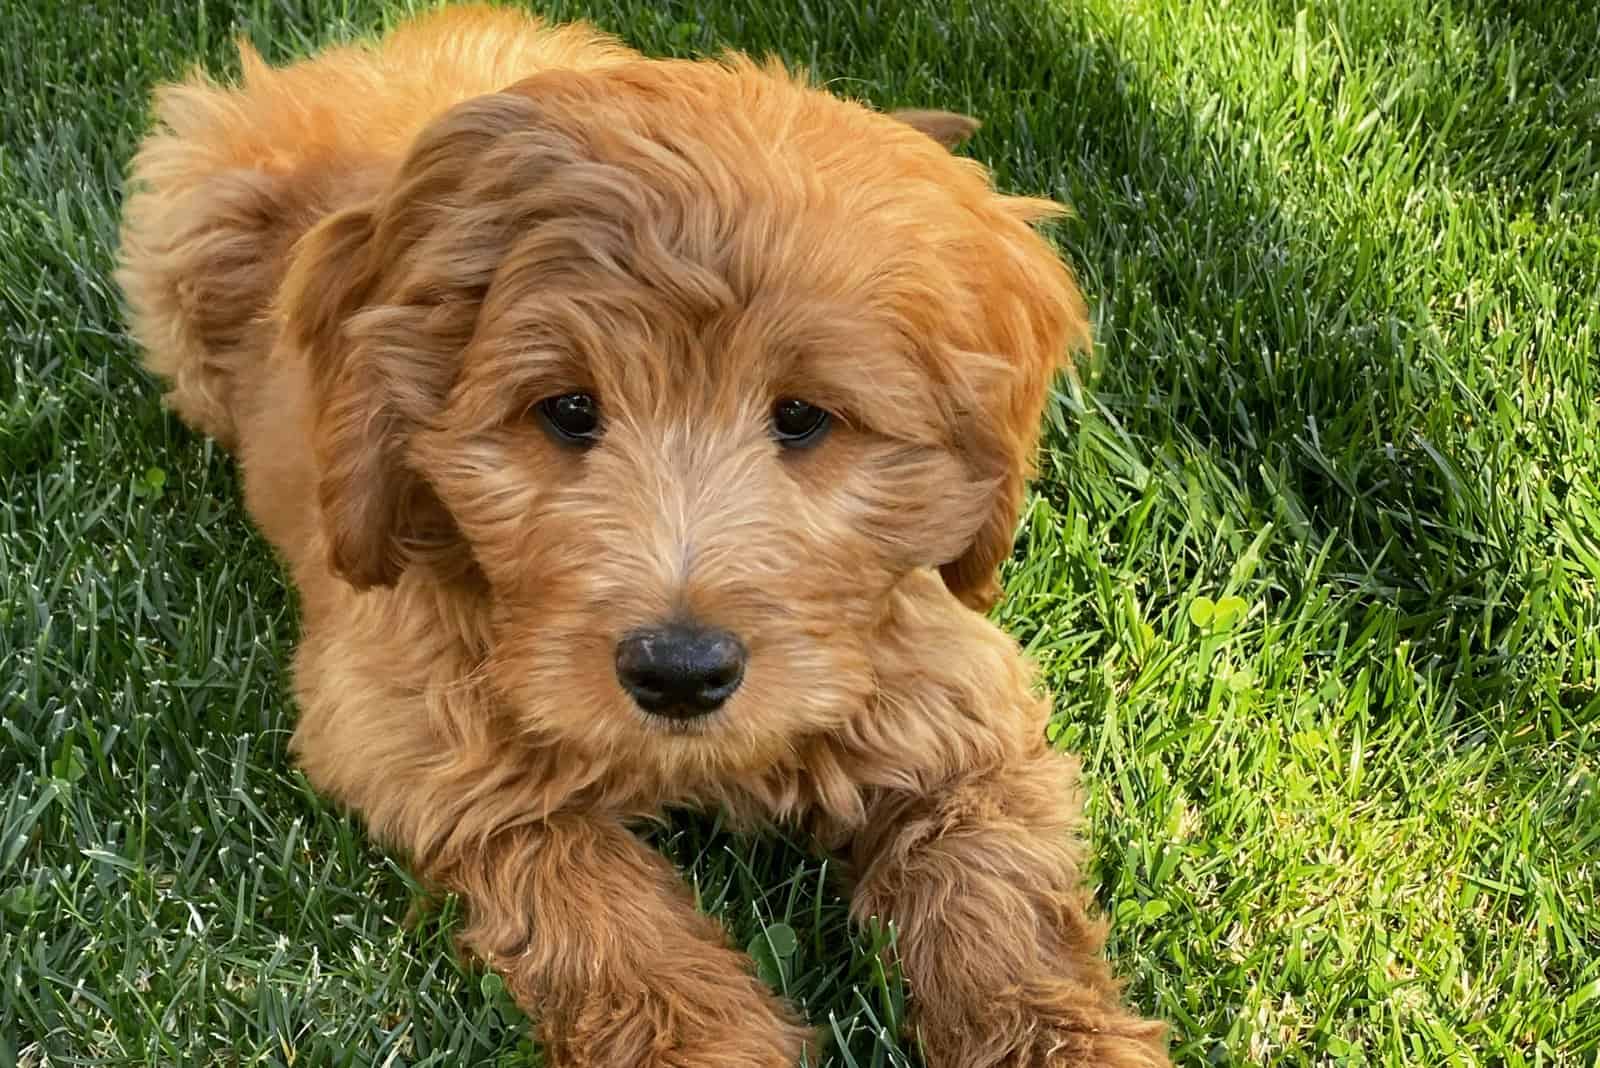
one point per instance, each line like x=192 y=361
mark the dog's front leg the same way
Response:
x=981 y=879
x=598 y=940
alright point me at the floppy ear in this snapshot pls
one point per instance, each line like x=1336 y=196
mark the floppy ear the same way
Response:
x=380 y=299
x=357 y=436
x=1032 y=318
x=949 y=128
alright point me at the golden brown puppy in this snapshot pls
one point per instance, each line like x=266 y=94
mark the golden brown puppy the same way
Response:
x=642 y=433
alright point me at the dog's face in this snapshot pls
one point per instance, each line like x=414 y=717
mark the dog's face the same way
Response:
x=693 y=364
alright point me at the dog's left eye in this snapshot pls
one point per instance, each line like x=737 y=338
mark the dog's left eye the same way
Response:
x=797 y=423
x=573 y=416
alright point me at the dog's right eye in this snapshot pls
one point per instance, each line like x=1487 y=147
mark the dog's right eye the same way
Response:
x=798 y=424
x=574 y=417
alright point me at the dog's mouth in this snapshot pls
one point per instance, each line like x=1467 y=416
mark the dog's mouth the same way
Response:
x=679 y=726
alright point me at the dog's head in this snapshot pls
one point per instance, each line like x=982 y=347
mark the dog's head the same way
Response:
x=693 y=363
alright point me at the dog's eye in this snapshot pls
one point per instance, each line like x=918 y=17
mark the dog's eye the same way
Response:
x=573 y=416
x=797 y=424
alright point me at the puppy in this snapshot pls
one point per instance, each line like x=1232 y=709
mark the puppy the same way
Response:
x=642 y=433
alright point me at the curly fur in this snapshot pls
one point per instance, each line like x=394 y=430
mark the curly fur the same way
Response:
x=360 y=272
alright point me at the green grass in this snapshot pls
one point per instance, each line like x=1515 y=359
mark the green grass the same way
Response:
x=1345 y=263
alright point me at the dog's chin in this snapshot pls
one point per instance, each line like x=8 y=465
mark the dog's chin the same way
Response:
x=725 y=745
x=680 y=727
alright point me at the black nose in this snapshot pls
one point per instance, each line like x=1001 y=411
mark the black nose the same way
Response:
x=680 y=669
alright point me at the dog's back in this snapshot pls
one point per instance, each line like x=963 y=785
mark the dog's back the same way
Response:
x=232 y=176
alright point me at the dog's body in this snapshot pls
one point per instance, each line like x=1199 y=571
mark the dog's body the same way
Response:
x=516 y=377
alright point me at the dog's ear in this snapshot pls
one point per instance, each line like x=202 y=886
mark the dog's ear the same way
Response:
x=381 y=299
x=1033 y=318
x=357 y=436
x=951 y=129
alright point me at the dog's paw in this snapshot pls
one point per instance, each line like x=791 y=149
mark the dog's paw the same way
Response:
x=1048 y=1047
x=767 y=1043
x=1051 y=1024
x=1140 y=1044
x=665 y=1030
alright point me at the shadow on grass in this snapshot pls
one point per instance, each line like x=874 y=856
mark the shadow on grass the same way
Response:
x=1506 y=93
x=1326 y=369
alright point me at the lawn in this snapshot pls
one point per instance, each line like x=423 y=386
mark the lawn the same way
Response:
x=1312 y=565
